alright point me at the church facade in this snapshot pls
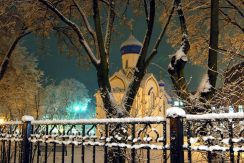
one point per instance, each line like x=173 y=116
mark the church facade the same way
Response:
x=151 y=98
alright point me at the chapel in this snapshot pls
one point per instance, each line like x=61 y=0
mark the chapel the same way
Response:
x=151 y=98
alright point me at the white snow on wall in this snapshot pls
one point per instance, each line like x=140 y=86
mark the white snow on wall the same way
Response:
x=175 y=112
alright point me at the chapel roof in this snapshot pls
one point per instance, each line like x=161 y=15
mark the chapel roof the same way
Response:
x=131 y=45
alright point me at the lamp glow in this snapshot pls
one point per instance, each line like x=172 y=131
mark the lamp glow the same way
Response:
x=83 y=108
x=77 y=108
x=1 y=120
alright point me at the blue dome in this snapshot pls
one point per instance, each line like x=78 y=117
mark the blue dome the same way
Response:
x=161 y=83
x=131 y=45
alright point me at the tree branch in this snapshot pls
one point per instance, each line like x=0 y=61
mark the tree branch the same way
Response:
x=146 y=11
x=134 y=85
x=235 y=7
x=235 y=53
x=76 y=29
x=231 y=21
x=147 y=38
x=8 y=55
x=99 y=36
x=213 y=44
x=162 y=33
x=109 y=28
x=84 y=17
x=66 y=34
x=177 y=65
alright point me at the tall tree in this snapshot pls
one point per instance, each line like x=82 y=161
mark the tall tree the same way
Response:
x=200 y=100
x=73 y=19
x=20 y=85
x=67 y=100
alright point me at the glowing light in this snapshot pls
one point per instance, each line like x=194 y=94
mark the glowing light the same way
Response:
x=181 y=103
x=80 y=107
x=83 y=108
x=176 y=103
x=1 y=120
x=77 y=108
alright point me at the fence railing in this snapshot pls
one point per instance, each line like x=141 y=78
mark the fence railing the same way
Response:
x=219 y=135
x=177 y=138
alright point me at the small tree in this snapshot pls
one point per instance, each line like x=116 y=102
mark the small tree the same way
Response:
x=68 y=100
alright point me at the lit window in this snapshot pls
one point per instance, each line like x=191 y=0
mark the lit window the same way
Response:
x=240 y=108
x=231 y=109
x=176 y=103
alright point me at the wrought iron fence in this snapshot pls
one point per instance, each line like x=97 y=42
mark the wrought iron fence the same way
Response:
x=11 y=139
x=216 y=137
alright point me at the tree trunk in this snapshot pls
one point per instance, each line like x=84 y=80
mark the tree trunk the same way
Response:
x=213 y=44
x=110 y=106
x=133 y=89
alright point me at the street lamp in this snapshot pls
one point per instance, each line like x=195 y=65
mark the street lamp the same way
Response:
x=77 y=108
x=80 y=107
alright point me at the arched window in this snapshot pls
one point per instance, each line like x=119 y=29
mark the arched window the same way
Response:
x=151 y=95
x=152 y=100
x=126 y=63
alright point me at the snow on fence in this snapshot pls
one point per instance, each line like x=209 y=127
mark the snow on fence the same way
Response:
x=42 y=140
x=101 y=121
x=215 y=116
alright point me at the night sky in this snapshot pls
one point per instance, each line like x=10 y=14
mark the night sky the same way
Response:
x=58 y=66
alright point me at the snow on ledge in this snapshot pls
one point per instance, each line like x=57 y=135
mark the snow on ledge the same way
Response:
x=174 y=112
x=26 y=118
x=212 y=116
x=102 y=121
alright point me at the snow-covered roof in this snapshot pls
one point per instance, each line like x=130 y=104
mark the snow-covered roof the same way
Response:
x=131 y=45
x=131 y=41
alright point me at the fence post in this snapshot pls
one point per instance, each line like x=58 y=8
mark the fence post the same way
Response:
x=176 y=116
x=26 y=132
